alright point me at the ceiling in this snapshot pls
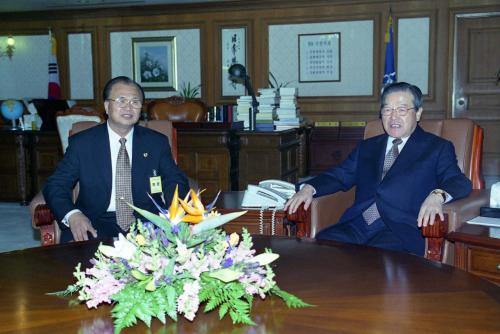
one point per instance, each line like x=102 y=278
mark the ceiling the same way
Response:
x=36 y=5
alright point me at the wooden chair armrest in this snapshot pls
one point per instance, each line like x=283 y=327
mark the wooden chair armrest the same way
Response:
x=438 y=230
x=302 y=219
x=43 y=216
x=434 y=236
x=44 y=219
x=324 y=211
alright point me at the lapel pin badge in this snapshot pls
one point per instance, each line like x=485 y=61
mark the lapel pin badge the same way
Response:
x=145 y=154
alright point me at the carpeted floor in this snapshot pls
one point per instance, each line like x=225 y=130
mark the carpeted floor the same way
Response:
x=15 y=228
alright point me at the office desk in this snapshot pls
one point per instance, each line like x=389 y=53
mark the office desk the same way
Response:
x=476 y=251
x=356 y=289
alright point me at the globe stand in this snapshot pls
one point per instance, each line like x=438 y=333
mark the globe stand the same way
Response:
x=14 y=126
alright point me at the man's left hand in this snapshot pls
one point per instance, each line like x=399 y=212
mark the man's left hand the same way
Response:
x=432 y=206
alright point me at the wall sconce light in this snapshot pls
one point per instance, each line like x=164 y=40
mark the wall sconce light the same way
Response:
x=9 y=50
x=238 y=74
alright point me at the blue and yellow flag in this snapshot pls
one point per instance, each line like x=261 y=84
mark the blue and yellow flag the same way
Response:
x=389 y=68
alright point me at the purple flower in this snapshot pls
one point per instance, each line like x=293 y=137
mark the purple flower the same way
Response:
x=175 y=229
x=125 y=263
x=228 y=262
x=164 y=240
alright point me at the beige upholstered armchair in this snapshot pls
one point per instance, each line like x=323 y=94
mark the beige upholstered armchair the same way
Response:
x=42 y=217
x=467 y=138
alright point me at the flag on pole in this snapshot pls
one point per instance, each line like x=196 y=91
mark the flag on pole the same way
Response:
x=389 y=68
x=54 y=87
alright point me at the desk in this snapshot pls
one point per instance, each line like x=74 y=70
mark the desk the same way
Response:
x=476 y=252
x=356 y=289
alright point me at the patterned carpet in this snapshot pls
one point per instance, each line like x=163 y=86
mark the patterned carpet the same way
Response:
x=15 y=228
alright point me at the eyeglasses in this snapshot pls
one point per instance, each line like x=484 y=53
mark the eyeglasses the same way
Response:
x=123 y=102
x=400 y=111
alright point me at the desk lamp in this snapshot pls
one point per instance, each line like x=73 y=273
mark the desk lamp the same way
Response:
x=238 y=74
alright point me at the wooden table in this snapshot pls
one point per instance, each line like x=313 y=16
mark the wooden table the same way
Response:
x=355 y=289
x=476 y=251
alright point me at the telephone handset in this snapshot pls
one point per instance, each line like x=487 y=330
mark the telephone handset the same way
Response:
x=269 y=193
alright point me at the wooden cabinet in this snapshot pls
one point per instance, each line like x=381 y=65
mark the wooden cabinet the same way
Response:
x=476 y=252
x=205 y=156
x=268 y=155
x=230 y=159
x=329 y=146
x=28 y=158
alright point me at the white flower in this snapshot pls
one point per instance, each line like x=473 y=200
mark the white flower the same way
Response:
x=147 y=75
x=156 y=71
x=183 y=252
x=122 y=248
x=188 y=302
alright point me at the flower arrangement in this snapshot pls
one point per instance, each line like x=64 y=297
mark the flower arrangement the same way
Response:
x=173 y=262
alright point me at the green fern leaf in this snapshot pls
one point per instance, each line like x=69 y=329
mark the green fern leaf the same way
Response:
x=223 y=310
x=289 y=299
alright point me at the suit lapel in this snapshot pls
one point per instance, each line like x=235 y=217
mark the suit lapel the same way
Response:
x=140 y=156
x=103 y=158
x=372 y=160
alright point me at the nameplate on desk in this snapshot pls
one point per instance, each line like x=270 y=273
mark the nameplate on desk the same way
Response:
x=238 y=125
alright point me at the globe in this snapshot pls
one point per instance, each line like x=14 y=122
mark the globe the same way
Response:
x=12 y=110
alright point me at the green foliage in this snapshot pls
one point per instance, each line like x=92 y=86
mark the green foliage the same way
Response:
x=189 y=92
x=273 y=82
x=229 y=297
x=133 y=302
x=289 y=299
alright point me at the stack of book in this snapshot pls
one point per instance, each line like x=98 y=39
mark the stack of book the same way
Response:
x=244 y=103
x=268 y=100
x=288 y=112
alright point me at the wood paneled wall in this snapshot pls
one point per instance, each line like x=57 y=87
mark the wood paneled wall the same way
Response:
x=257 y=15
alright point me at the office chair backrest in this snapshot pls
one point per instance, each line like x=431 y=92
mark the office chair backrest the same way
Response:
x=177 y=109
x=66 y=119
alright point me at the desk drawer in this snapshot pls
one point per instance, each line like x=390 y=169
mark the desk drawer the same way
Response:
x=484 y=262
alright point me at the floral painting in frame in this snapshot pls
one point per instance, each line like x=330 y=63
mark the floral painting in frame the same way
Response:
x=154 y=63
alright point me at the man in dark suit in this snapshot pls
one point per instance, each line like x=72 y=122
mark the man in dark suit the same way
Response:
x=402 y=179
x=114 y=162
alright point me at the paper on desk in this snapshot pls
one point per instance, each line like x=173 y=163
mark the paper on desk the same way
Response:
x=486 y=221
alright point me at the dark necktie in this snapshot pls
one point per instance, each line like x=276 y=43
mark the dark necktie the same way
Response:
x=371 y=214
x=123 y=184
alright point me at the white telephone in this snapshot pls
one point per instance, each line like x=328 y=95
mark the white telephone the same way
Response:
x=269 y=193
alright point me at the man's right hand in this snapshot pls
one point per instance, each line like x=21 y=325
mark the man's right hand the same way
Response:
x=80 y=225
x=304 y=195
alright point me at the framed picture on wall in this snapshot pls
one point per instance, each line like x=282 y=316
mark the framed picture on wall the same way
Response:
x=154 y=63
x=233 y=43
x=319 y=57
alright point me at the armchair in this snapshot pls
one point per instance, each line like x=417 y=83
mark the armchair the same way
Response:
x=66 y=119
x=42 y=217
x=177 y=109
x=467 y=138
